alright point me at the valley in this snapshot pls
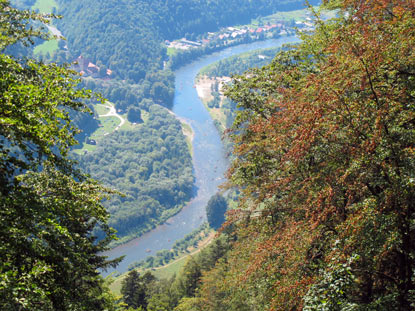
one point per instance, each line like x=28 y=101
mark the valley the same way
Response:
x=181 y=156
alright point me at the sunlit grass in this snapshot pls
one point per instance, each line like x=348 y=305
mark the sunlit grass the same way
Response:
x=45 y=6
x=108 y=125
x=101 y=109
x=46 y=47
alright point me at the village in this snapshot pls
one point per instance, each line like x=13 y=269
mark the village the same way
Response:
x=86 y=68
x=229 y=34
x=225 y=36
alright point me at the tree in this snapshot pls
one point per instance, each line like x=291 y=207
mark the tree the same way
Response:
x=134 y=289
x=160 y=92
x=188 y=281
x=215 y=210
x=49 y=211
x=134 y=115
x=188 y=304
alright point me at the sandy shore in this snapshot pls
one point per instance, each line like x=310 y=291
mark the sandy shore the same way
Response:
x=187 y=130
x=203 y=88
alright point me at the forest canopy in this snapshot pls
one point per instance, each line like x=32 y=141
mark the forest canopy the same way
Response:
x=150 y=165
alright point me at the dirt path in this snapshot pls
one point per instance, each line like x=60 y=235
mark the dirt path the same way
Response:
x=112 y=113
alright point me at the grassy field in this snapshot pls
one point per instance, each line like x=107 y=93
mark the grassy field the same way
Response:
x=171 y=51
x=160 y=273
x=45 y=6
x=296 y=16
x=85 y=148
x=46 y=47
x=108 y=125
x=101 y=109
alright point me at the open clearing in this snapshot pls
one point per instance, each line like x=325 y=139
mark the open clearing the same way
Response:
x=110 y=121
x=45 y=6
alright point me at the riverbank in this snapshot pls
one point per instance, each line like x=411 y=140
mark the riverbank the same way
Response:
x=205 y=87
x=187 y=130
x=168 y=270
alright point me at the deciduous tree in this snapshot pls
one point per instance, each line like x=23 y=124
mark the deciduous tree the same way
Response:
x=49 y=254
x=215 y=210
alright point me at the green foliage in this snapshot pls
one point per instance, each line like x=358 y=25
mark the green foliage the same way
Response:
x=16 y=25
x=178 y=291
x=215 y=210
x=330 y=293
x=49 y=255
x=238 y=64
x=134 y=115
x=150 y=165
x=189 y=304
x=134 y=289
x=187 y=283
x=189 y=279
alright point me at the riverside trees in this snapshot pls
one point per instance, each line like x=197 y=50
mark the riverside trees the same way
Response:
x=48 y=210
x=215 y=211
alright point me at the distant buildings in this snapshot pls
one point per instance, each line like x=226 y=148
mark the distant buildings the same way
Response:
x=86 y=68
x=233 y=33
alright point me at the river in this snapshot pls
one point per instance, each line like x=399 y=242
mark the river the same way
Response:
x=209 y=160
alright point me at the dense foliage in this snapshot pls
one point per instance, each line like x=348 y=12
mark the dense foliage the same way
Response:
x=151 y=165
x=215 y=211
x=325 y=165
x=48 y=210
x=176 y=293
x=134 y=289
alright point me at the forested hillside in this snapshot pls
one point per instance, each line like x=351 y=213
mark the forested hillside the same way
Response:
x=151 y=165
x=127 y=36
x=238 y=64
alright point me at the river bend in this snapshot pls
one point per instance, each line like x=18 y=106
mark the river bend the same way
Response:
x=209 y=159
